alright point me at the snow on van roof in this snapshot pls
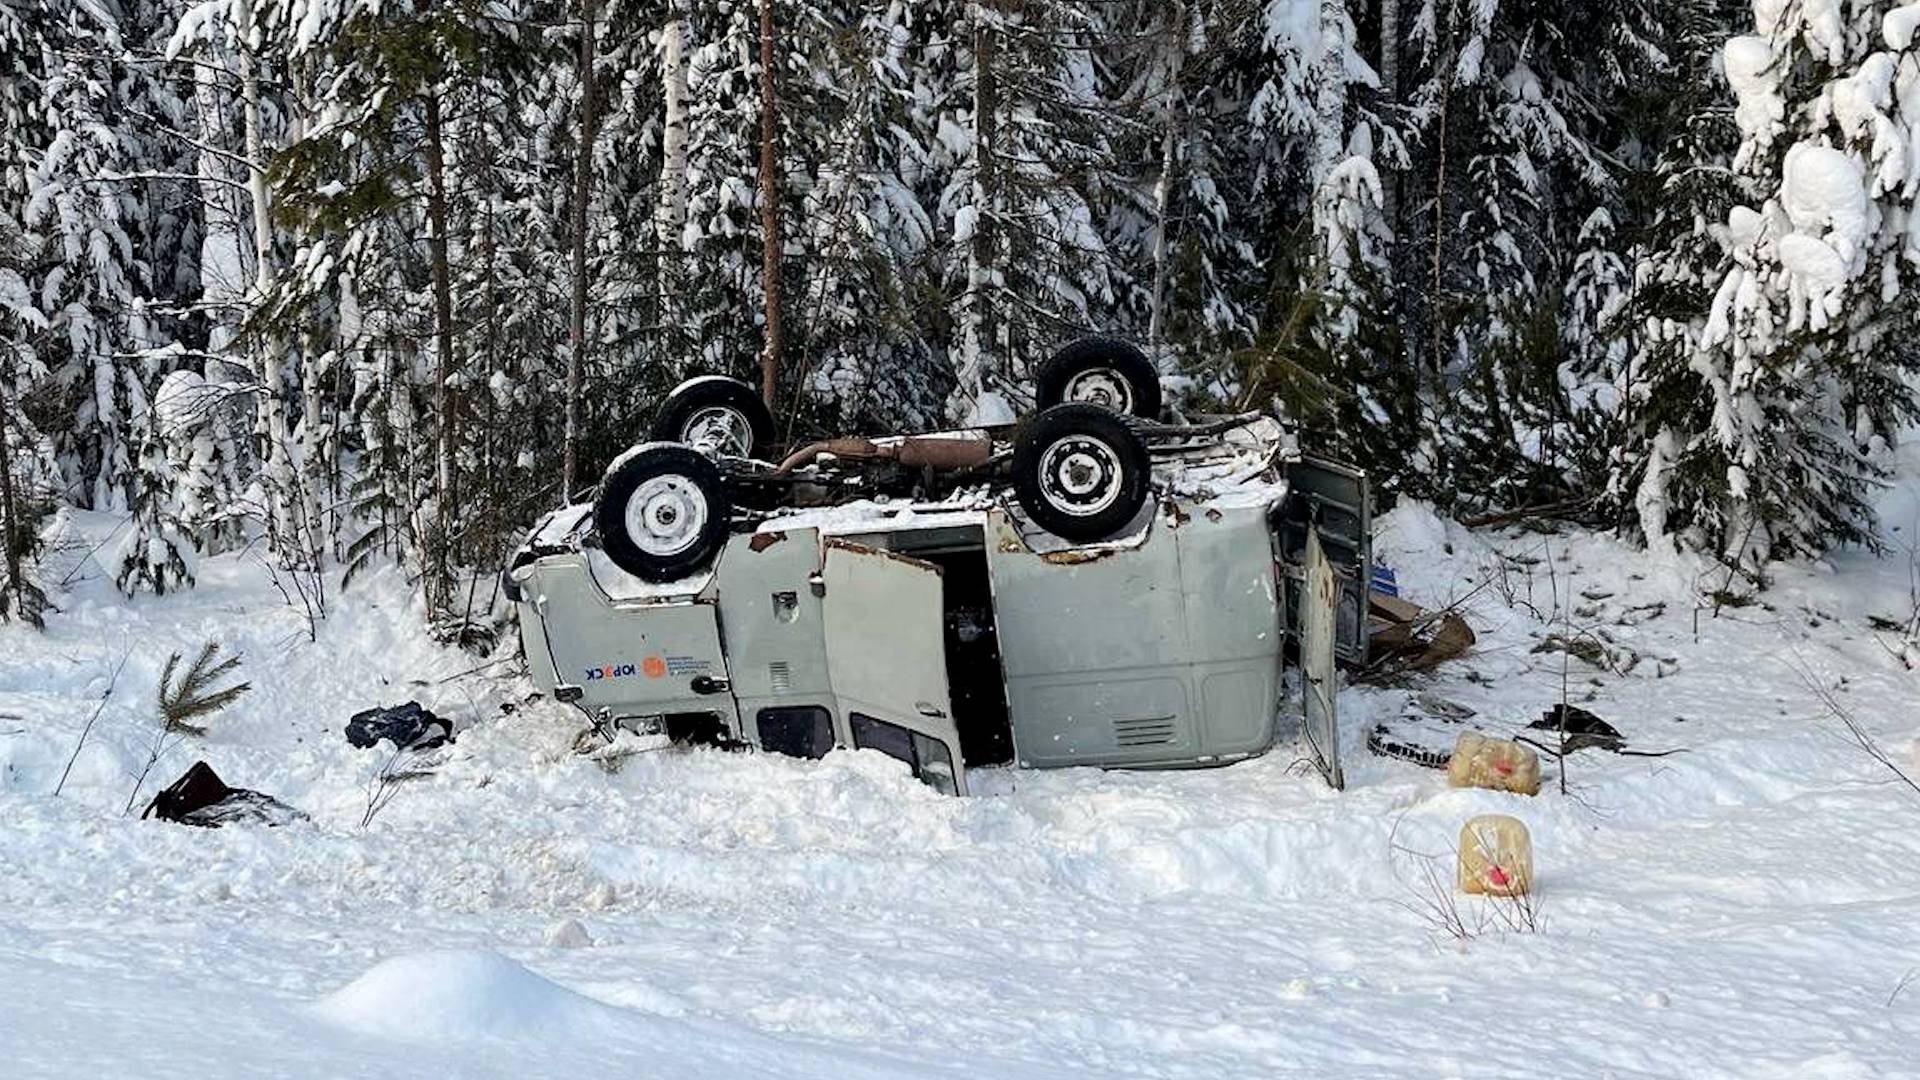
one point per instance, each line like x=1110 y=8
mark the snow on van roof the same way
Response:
x=968 y=507
x=870 y=516
x=1236 y=468
x=1243 y=475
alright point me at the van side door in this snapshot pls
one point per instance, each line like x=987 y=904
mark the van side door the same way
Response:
x=886 y=658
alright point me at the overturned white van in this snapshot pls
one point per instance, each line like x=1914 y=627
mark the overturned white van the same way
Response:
x=956 y=634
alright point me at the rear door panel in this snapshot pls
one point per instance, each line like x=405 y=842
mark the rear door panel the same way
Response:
x=1318 y=603
x=1336 y=499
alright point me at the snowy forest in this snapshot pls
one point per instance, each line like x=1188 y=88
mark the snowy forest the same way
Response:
x=350 y=281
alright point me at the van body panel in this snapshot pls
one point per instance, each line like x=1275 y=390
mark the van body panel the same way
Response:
x=1230 y=587
x=1335 y=501
x=1162 y=652
x=774 y=626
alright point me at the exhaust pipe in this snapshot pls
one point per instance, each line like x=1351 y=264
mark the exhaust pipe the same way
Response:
x=922 y=451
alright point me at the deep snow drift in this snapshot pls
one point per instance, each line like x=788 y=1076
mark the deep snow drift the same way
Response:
x=1743 y=908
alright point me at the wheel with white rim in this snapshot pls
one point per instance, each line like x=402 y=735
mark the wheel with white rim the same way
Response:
x=1080 y=472
x=663 y=512
x=716 y=415
x=1100 y=371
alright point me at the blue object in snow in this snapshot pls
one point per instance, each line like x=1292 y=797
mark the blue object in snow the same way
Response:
x=1384 y=581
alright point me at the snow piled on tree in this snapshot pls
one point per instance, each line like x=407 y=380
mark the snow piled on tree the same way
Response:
x=1798 y=347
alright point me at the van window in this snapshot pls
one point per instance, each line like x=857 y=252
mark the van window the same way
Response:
x=797 y=731
x=927 y=757
x=697 y=729
x=935 y=765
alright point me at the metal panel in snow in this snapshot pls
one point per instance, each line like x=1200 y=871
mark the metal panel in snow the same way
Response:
x=1318 y=603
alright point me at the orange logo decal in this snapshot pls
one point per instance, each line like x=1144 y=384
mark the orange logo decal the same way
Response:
x=653 y=667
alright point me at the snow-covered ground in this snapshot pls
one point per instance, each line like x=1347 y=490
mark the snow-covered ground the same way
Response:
x=1744 y=908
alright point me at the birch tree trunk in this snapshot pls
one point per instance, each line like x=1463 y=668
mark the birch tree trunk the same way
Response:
x=1171 y=110
x=1390 y=93
x=272 y=407
x=1390 y=178
x=1330 y=93
x=256 y=169
x=769 y=209
x=439 y=574
x=975 y=310
x=14 y=593
x=670 y=216
x=1437 y=266
x=319 y=430
x=582 y=194
x=1390 y=50
x=221 y=260
x=398 y=375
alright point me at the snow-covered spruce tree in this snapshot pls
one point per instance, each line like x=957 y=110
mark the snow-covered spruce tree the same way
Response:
x=1330 y=348
x=1174 y=210
x=246 y=100
x=369 y=176
x=26 y=499
x=1596 y=343
x=156 y=556
x=630 y=319
x=200 y=425
x=856 y=131
x=1672 y=208
x=697 y=128
x=1519 y=116
x=1360 y=395
x=26 y=470
x=84 y=175
x=1027 y=145
x=515 y=127
x=719 y=323
x=1805 y=347
x=22 y=505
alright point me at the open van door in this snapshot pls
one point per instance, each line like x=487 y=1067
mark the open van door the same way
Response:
x=1332 y=500
x=886 y=658
x=1319 y=601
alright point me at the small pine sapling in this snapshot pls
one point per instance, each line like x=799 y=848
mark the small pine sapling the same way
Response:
x=180 y=703
x=193 y=697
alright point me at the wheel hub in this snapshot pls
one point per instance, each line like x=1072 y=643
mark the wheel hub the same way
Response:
x=1080 y=475
x=666 y=514
x=1100 y=386
x=718 y=429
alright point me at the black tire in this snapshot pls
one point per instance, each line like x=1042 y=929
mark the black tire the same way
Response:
x=716 y=414
x=1080 y=471
x=1100 y=371
x=680 y=511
